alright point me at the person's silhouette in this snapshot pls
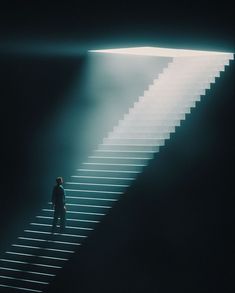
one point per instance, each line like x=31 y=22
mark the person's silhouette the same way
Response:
x=58 y=203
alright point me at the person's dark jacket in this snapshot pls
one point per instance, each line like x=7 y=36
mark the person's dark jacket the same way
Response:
x=58 y=196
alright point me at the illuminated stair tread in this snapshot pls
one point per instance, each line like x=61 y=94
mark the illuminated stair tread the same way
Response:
x=97 y=177
x=67 y=227
x=75 y=212
x=75 y=220
x=94 y=191
x=25 y=280
x=87 y=205
x=132 y=158
x=35 y=264
x=110 y=164
x=125 y=144
x=110 y=171
x=28 y=272
x=37 y=247
x=91 y=198
x=96 y=184
x=61 y=234
x=50 y=241
x=121 y=151
x=40 y=256
x=20 y=288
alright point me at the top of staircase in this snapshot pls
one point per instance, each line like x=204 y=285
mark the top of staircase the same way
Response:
x=163 y=52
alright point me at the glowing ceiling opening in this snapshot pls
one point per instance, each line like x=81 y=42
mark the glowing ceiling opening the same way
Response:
x=162 y=52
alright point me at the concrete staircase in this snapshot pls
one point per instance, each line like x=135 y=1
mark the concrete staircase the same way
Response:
x=33 y=261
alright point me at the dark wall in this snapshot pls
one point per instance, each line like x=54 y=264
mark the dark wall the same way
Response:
x=172 y=233
x=197 y=24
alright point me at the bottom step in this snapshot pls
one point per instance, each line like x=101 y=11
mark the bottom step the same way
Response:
x=22 y=289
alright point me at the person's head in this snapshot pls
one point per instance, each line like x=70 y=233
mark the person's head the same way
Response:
x=59 y=180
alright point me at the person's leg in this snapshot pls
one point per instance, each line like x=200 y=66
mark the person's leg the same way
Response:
x=55 y=220
x=62 y=220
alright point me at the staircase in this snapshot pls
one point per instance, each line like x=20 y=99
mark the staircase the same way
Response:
x=33 y=261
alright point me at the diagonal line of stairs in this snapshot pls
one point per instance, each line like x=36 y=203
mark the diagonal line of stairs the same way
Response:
x=34 y=259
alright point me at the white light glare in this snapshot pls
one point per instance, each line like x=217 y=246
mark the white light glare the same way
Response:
x=162 y=52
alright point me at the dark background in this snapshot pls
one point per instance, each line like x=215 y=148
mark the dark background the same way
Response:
x=173 y=230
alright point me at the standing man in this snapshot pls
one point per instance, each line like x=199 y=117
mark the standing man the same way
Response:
x=58 y=203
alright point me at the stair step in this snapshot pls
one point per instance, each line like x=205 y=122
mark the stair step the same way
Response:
x=36 y=258
x=135 y=141
x=174 y=84
x=114 y=166
x=75 y=214
x=188 y=69
x=187 y=76
x=69 y=228
x=129 y=147
x=105 y=180
x=22 y=283
x=163 y=91
x=134 y=133
x=69 y=221
x=96 y=186
x=35 y=274
x=150 y=124
x=23 y=280
x=168 y=99
x=22 y=289
x=93 y=193
x=179 y=87
x=146 y=104
x=139 y=135
x=91 y=200
x=144 y=128
x=57 y=236
x=27 y=264
x=37 y=271
x=28 y=275
x=158 y=116
x=104 y=209
x=107 y=173
x=126 y=154
x=144 y=107
x=39 y=240
x=79 y=207
x=54 y=251
x=118 y=160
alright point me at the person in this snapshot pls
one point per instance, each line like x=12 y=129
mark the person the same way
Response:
x=58 y=203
